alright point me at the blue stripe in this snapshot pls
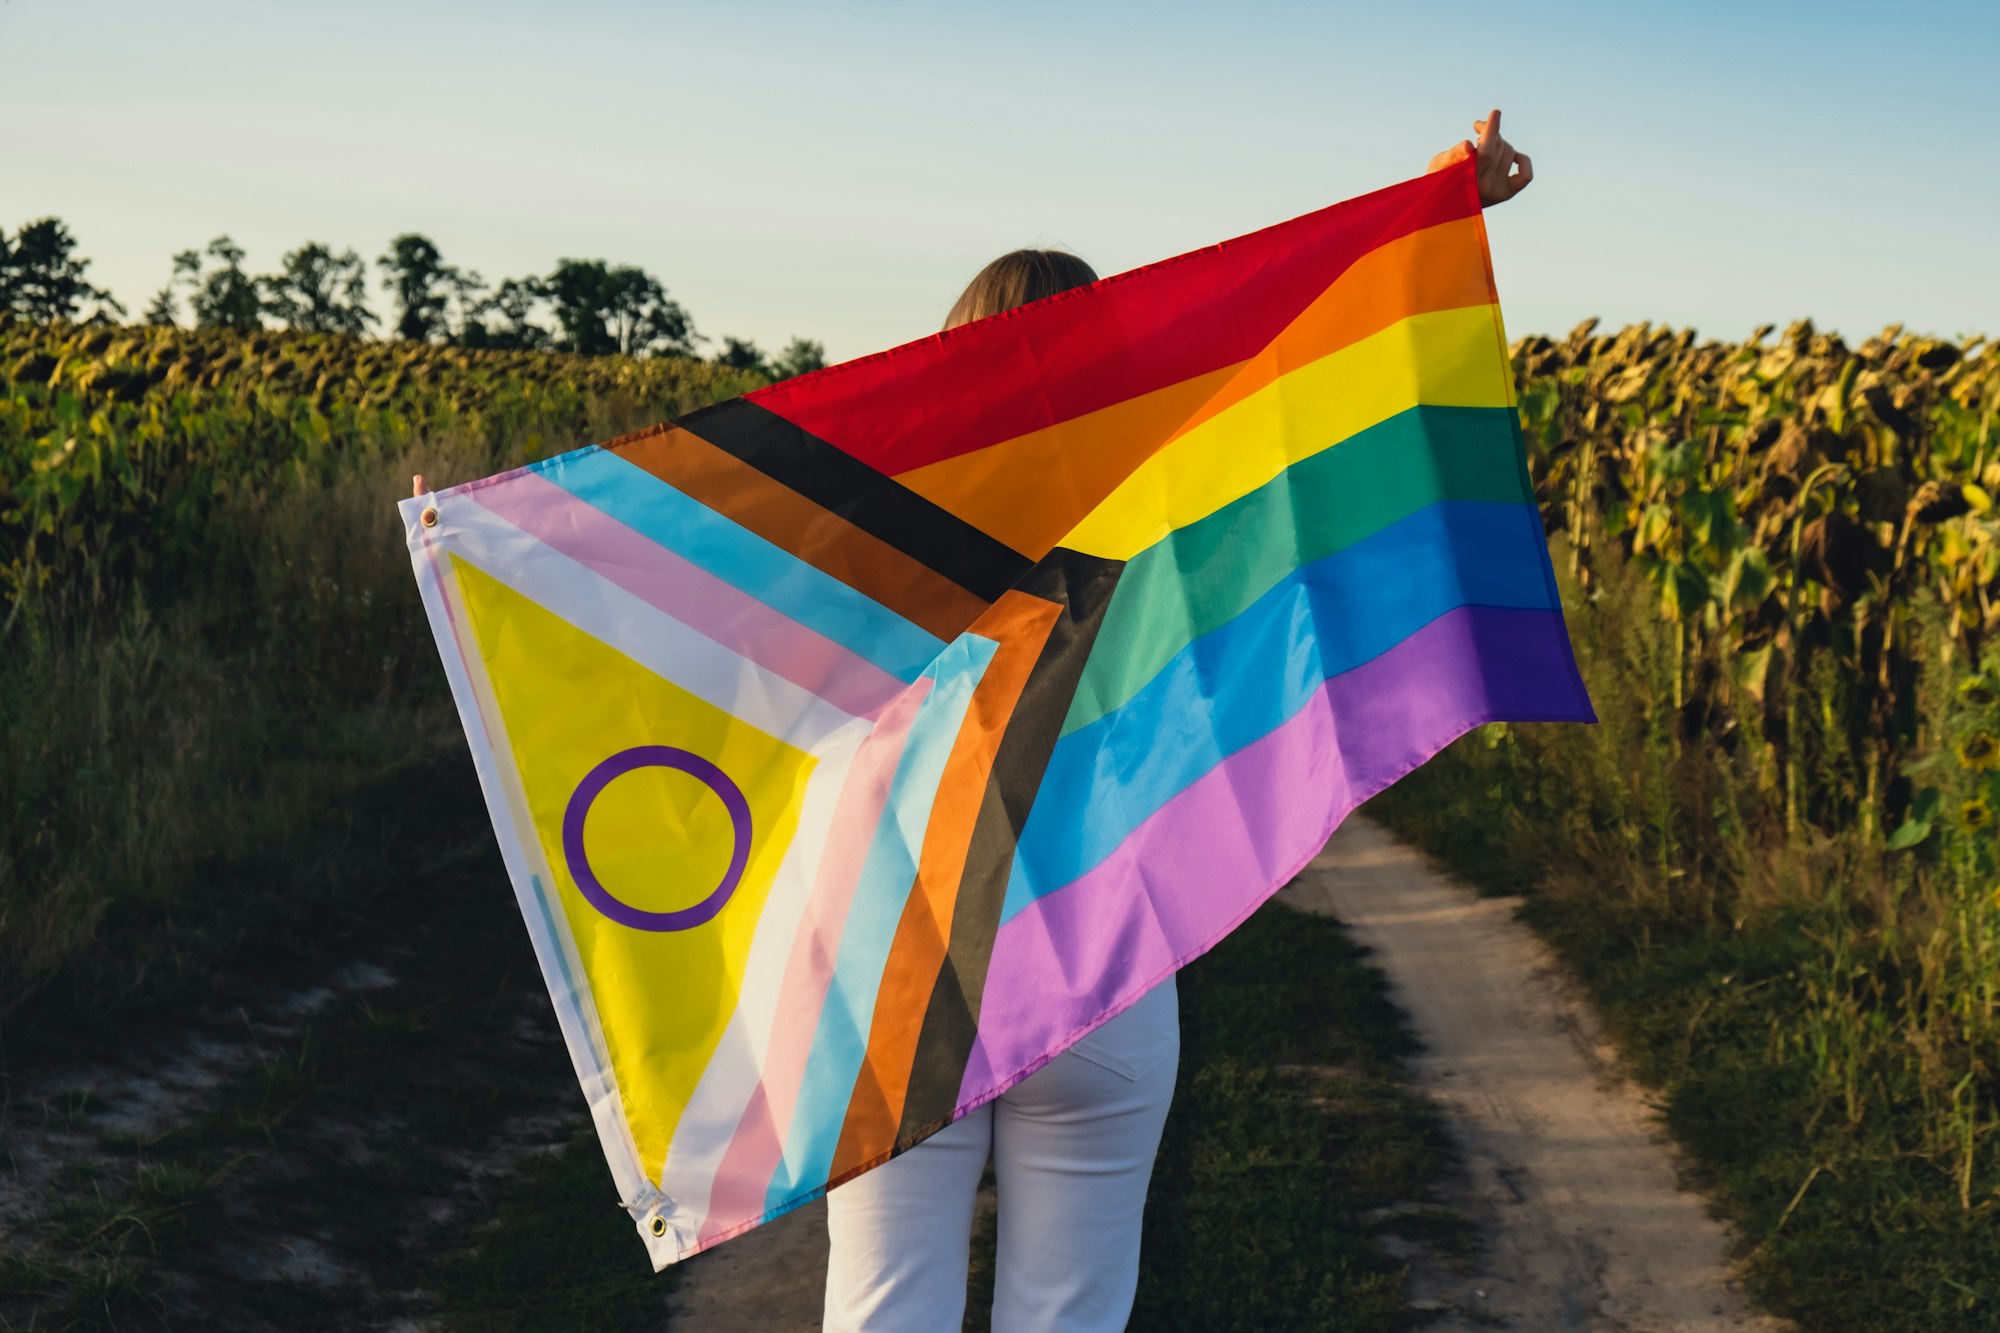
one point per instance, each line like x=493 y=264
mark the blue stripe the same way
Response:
x=1234 y=684
x=888 y=875
x=733 y=553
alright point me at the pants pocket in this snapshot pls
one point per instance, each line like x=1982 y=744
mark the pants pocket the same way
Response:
x=1134 y=1042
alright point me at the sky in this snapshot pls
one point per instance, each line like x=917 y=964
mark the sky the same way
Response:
x=839 y=170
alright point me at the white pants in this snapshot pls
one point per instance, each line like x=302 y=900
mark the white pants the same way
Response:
x=1073 y=1146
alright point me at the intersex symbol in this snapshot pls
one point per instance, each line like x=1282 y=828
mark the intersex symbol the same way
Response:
x=681 y=761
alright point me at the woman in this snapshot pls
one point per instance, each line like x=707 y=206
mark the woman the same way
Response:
x=1073 y=1143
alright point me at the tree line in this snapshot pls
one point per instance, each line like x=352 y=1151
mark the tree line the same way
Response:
x=586 y=306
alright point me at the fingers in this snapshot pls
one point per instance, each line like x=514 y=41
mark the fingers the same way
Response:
x=417 y=484
x=1527 y=171
x=1461 y=149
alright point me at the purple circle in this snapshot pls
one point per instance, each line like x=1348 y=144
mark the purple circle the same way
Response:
x=681 y=761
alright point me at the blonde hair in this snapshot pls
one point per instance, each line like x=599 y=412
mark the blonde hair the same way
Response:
x=1016 y=278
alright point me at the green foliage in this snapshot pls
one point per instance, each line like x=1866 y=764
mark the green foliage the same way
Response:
x=41 y=277
x=1821 y=1011
x=1775 y=858
x=419 y=283
x=211 y=637
x=220 y=293
x=1786 y=502
x=117 y=444
x=800 y=357
x=318 y=291
x=602 y=309
x=740 y=354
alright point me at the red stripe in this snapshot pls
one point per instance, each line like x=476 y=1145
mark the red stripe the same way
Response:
x=1078 y=351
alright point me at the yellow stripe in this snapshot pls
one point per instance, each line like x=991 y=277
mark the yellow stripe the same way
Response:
x=1446 y=358
x=1031 y=490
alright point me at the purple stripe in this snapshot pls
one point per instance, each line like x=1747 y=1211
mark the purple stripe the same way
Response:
x=1205 y=860
x=690 y=594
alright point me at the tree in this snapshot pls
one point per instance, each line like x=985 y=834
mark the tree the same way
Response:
x=514 y=302
x=318 y=291
x=644 y=320
x=575 y=292
x=41 y=278
x=604 y=310
x=419 y=282
x=800 y=356
x=224 y=297
x=466 y=297
x=165 y=309
x=741 y=354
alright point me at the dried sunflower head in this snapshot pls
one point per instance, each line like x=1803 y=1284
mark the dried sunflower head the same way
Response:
x=1979 y=750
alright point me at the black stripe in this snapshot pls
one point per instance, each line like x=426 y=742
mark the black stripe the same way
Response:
x=872 y=501
x=1082 y=585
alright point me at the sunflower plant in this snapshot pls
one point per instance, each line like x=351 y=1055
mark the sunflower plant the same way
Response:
x=1959 y=803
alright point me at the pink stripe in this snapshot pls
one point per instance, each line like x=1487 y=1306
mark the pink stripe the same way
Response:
x=752 y=1155
x=690 y=594
x=1209 y=857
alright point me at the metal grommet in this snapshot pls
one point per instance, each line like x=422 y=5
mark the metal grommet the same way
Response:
x=659 y=1225
x=431 y=517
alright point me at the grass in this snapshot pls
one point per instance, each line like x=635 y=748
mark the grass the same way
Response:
x=200 y=772
x=357 y=1141
x=1817 y=1016
x=223 y=789
x=425 y=1142
x=1289 y=1130
x=229 y=780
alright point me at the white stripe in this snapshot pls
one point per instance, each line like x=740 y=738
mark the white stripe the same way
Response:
x=640 y=630
x=498 y=780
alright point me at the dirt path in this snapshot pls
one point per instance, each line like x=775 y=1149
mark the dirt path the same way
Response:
x=1568 y=1172
x=319 y=1147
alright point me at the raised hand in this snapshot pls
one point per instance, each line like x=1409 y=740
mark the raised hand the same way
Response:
x=1496 y=162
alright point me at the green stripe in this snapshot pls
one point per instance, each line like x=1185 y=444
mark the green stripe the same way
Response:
x=1173 y=593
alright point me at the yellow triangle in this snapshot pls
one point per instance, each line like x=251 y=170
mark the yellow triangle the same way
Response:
x=655 y=839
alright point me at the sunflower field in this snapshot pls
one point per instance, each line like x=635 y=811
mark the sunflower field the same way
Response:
x=1775 y=861
x=117 y=443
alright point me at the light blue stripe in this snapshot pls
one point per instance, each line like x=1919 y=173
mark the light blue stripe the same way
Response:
x=733 y=553
x=1234 y=684
x=887 y=875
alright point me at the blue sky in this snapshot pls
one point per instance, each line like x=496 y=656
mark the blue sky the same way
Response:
x=839 y=170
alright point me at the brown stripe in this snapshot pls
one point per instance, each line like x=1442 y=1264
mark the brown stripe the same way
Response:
x=1020 y=624
x=785 y=518
x=1082 y=586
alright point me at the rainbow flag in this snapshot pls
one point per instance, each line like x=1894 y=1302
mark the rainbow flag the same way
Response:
x=857 y=745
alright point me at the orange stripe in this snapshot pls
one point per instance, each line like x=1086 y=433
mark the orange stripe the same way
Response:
x=1439 y=268
x=1030 y=490
x=816 y=535
x=1020 y=624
